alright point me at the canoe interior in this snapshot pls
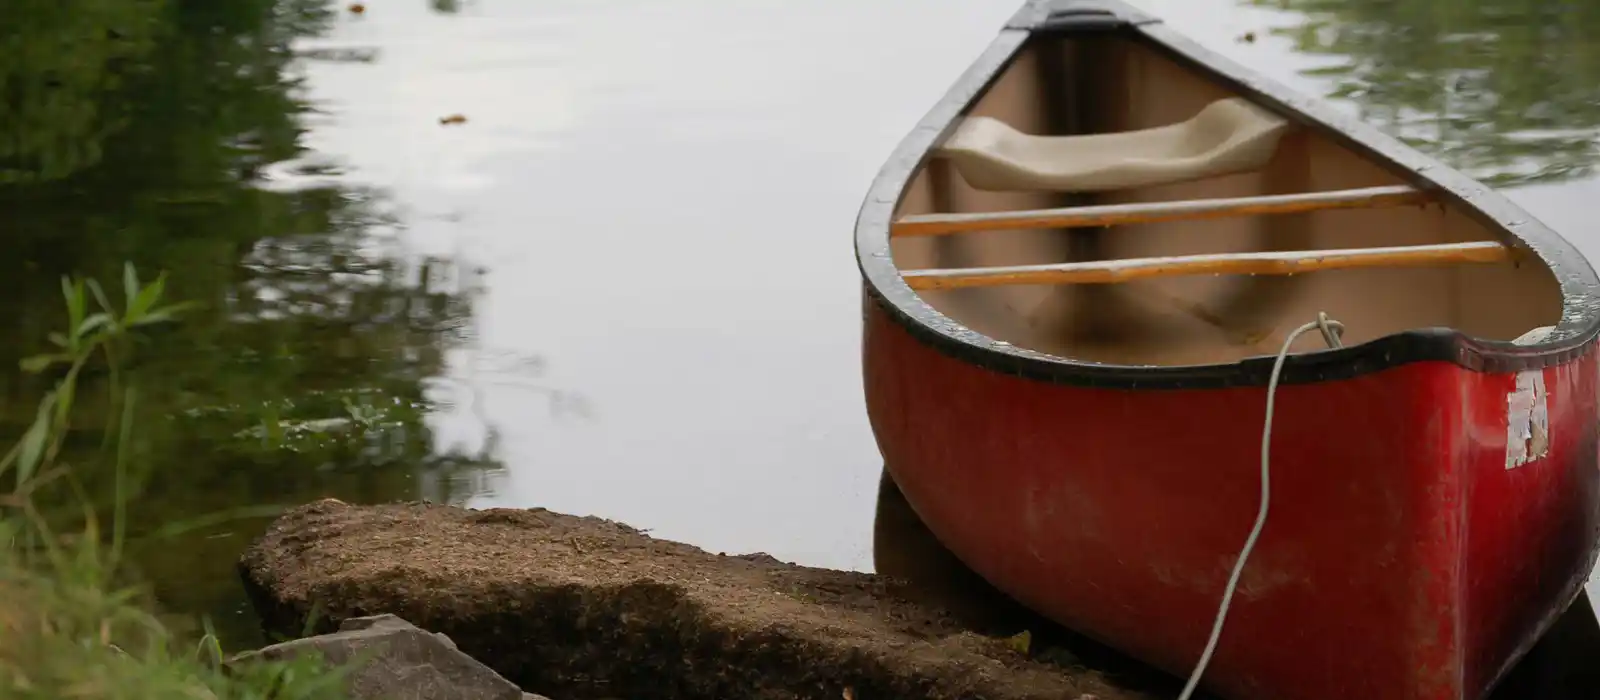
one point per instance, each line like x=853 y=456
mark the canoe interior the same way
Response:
x=1100 y=84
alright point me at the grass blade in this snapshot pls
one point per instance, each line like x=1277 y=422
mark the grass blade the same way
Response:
x=32 y=448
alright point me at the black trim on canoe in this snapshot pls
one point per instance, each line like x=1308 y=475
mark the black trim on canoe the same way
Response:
x=1580 y=287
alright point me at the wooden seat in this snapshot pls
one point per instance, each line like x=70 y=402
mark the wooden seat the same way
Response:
x=1227 y=136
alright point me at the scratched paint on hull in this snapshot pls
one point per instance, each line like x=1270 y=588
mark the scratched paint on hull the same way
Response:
x=1528 y=420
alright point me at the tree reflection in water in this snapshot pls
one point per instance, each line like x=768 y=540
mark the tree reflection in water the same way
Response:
x=138 y=130
x=1505 y=90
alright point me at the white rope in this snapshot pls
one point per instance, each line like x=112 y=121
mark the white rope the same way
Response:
x=1330 y=333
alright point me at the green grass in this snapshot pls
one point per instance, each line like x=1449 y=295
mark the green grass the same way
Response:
x=71 y=624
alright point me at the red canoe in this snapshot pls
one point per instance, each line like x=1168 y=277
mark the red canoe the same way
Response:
x=1079 y=269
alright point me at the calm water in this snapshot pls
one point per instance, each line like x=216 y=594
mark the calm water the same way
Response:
x=624 y=285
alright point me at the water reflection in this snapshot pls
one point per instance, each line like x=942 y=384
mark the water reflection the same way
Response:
x=168 y=133
x=59 y=68
x=1505 y=90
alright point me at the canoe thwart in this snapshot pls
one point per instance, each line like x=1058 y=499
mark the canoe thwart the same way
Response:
x=1263 y=263
x=1227 y=136
x=1150 y=212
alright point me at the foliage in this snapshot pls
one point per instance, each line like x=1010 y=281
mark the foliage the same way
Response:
x=68 y=627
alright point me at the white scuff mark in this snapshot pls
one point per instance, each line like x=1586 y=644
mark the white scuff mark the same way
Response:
x=1033 y=518
x=1527 y=420
x=1535 y=336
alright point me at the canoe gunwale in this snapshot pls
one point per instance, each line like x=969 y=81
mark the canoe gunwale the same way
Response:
x=883 y=284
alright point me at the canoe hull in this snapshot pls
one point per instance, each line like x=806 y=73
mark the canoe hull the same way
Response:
x=1406 y=554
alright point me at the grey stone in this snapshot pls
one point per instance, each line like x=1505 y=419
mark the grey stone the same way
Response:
x=399 y=661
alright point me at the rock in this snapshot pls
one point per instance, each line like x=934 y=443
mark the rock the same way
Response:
x=588 y=608
x=405 y=662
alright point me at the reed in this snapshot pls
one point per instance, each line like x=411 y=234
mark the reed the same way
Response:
x=71 y=623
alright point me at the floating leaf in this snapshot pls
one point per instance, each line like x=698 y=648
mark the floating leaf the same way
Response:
x=1020 y=641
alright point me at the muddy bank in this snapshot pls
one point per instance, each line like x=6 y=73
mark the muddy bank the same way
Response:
x=587 y=608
